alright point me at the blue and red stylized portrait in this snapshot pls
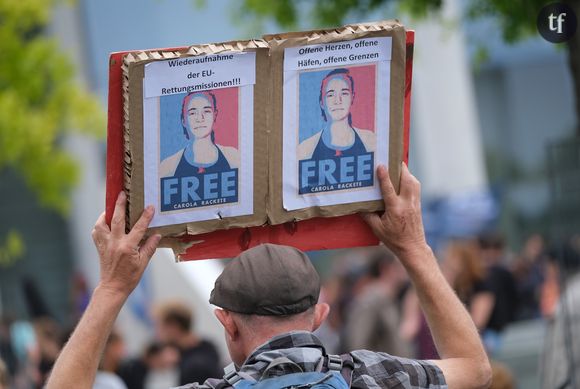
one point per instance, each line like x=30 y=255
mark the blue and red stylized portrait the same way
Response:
x=199 y=156
x=337 y=139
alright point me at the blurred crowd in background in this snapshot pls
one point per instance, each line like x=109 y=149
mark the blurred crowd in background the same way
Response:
x=373 y=306
x=175 y=356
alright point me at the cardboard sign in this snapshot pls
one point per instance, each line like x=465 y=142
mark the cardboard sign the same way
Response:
x=228 y=140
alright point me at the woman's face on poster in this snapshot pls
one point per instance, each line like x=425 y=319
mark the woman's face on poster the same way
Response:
x=200 y=116
x=337 y=99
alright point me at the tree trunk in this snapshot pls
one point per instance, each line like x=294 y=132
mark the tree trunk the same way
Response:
x=574 y=61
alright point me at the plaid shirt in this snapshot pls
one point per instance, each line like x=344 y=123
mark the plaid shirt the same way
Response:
x=372 y=369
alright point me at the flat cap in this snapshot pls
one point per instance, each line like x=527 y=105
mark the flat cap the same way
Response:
x=270 y=280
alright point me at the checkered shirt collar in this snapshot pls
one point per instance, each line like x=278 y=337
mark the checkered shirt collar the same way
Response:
x=301 y=347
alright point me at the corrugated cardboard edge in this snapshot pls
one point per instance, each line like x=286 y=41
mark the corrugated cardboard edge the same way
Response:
x=278 y=42
x=133 y=71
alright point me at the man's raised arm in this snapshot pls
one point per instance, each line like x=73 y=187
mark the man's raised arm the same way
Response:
x=122 y=263
x=464 y=362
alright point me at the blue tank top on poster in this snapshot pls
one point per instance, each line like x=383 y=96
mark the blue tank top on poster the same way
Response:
x=194 y=186
x=322 y=151
x=331 y=169
x=185 y=168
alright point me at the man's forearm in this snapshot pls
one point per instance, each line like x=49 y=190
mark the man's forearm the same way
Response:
x=452 y=328
x=123 y=258
x=76 y=366
x=400 y=228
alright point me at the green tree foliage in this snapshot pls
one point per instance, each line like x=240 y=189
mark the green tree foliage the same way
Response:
x=11 y=248
x=517 y=18
x=40 y=101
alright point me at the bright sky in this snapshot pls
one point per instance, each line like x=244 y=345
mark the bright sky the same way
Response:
x=113 y=25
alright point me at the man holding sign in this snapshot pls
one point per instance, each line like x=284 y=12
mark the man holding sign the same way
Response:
x=268 y=307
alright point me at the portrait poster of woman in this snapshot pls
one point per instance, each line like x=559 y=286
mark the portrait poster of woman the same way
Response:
x=204 y=155
x=336 y=131
x=207 y=155
x=340 y=129
x=209 y=141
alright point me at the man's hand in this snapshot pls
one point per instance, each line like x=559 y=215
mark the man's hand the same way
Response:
x=123 y=262
x=122 y=259
x=464 y=363
x=400 y=227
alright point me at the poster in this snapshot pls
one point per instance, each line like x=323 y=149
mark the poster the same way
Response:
x=198 y=137
x=335 y=121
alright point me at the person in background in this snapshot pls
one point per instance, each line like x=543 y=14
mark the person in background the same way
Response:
x=199 y=358
x=79 y=296
x=414 y=328
x=19 y=350
x=550 y=289
x=155 y=369
x=329 y=331
x=501 y=283
x=162 y=361
x=339 y=291
x=561 y=357
x=7 y=352
x=528 y=271
x=49 y=342
x=373 y=316
x=4 y=378
x=466 y=274
x=113 y=354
